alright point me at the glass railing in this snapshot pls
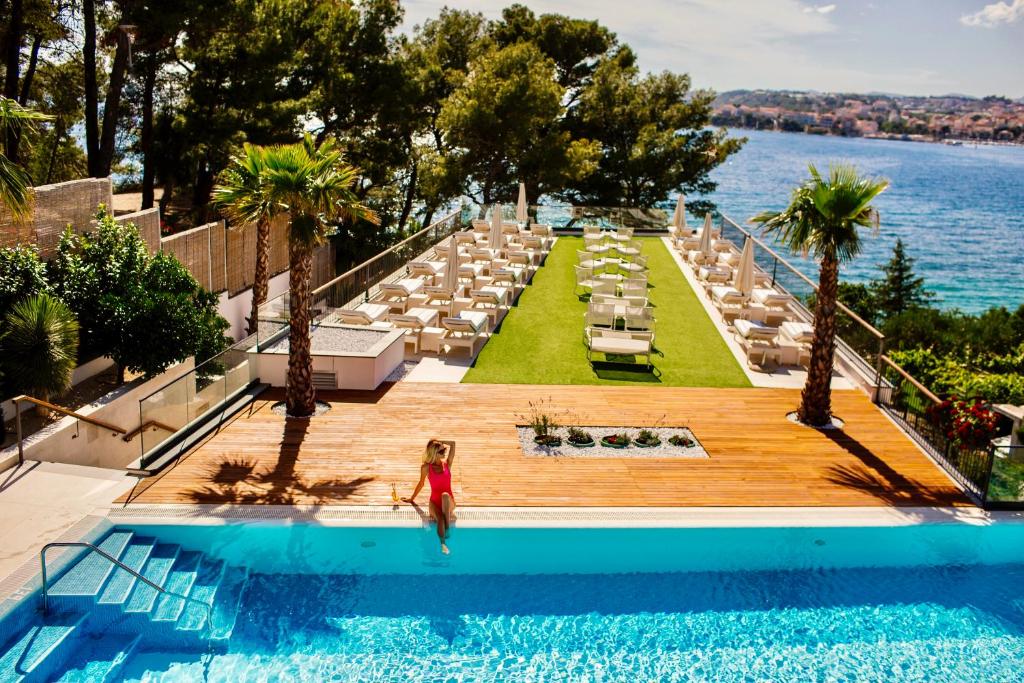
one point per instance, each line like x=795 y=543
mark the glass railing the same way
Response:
x=359 y=283
x=181 y=402
x=1006 y=483
x=859 y=344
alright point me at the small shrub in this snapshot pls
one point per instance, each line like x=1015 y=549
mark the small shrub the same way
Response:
x=681 y=441
x=541 y=418
x=577 y=435
x=648 y=438
x=620 y=439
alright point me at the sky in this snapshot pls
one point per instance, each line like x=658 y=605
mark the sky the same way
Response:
x=912 y=47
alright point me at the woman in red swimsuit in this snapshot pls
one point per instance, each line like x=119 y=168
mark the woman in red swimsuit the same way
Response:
x=437 y=468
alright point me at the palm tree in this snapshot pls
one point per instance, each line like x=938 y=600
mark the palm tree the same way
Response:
x=823 y=219
x=242 y=195
x=315 y=187
x=14 y=181
x=40 y=347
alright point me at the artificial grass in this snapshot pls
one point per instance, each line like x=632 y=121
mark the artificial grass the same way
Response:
x=541 y=339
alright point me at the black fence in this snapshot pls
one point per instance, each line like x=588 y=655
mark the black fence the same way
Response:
x=992 y=475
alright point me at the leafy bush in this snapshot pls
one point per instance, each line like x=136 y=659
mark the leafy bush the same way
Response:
x=970 y=424
x=145 y=312
x=22 y=274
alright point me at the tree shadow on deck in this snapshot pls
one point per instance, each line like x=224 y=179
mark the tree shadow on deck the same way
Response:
x=240 y=481
x=876 y=477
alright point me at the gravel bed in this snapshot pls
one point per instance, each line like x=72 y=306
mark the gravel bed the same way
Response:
x=281 y=408
x=567 y=450
x=403 y=369
x=333 y=340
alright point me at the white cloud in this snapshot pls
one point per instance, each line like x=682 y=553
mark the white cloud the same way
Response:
x=820 y=9
x=995 y=14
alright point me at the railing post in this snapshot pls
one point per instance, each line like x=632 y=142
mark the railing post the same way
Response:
x=775 y=269
x=17 y=422
x=878 y=367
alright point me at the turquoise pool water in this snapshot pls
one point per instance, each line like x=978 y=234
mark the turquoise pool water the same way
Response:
x=923 y=603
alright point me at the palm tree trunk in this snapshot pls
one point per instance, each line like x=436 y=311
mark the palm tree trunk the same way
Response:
x=300 y=396
x=816 y=399
x=261 y=277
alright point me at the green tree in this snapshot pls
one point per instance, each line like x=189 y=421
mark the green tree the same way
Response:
x=502 y=125
x=315 y=187
x=15 y=185
x=40 y=347
x=144 y=312
x=22 y=274
x=824 y=218
x=242 y=194
x=899 y=289
x=654 y=137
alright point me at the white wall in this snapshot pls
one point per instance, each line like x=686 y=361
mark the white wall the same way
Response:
x=79 y=443
x=235 y=309
x=80 y=374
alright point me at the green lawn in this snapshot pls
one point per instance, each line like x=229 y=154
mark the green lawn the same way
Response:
x=541 y=339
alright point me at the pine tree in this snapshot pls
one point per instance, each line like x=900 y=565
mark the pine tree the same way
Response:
x=900 y=289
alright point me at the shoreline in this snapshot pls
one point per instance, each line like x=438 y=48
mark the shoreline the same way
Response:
x=950 y=142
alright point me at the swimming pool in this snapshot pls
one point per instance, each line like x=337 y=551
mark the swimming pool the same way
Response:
x=307 y=602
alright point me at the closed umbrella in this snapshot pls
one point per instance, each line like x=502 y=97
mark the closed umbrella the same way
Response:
x=744 y=281
x=521 y=213
x=451 y=273
x=707 y=223
x=705 y=248
x=679 y=217
x=494 y=241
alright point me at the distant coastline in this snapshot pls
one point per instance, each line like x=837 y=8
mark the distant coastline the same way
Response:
x=952 y=142
x=949 y=119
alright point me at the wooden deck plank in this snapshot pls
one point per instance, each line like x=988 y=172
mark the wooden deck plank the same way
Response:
x=353 y=454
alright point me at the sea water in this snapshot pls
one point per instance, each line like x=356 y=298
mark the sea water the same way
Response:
x=958 y=209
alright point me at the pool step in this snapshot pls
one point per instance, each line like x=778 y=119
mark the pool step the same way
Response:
x=204 y=591
x=227 y=604
x=87 y=576
x=121 y=583
x=119 y=607
x=99 y=659
x=158 y=567
x=36 y=652
x=180 y=582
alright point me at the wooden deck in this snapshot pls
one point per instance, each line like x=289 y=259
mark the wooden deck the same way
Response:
x=353 y=454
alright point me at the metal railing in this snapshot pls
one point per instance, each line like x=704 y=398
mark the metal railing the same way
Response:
x=59 y=409
x=908 y=402
x=359 y=282
x=118 y=563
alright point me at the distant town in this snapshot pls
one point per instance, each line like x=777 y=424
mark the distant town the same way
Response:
x=953 y=118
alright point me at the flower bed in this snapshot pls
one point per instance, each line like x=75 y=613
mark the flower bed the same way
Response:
x=602 y=447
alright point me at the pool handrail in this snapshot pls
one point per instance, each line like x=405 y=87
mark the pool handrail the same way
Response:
x=107 y=556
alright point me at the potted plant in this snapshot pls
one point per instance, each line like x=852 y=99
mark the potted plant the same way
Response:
x=620 y=440
x=681 y=441
x=647 y=439
x=543 y=424
x=580 y=438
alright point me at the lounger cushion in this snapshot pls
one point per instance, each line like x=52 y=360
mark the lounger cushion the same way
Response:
x=752 y=329
x=770 y=297
x=798 y=332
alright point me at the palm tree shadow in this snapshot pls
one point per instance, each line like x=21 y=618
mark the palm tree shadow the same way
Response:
x=875 y=476
x=239 y=481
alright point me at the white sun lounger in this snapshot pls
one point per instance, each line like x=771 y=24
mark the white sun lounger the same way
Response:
x=770 y=298
x=465 y=329
x=364 y=314
x=396 y=294
x=752 y=329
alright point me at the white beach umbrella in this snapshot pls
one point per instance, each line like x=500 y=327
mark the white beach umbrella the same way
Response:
x=679 y=217
x=522 y=215
x=494 y=241
x=707 y=223
x=744 y=282
x=705 y=247
x=451 y=269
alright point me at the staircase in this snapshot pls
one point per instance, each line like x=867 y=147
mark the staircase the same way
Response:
x=98 y=611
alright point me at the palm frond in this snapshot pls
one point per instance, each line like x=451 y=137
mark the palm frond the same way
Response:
x=40 y=347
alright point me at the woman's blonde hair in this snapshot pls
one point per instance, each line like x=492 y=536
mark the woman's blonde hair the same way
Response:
x=434 y=452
